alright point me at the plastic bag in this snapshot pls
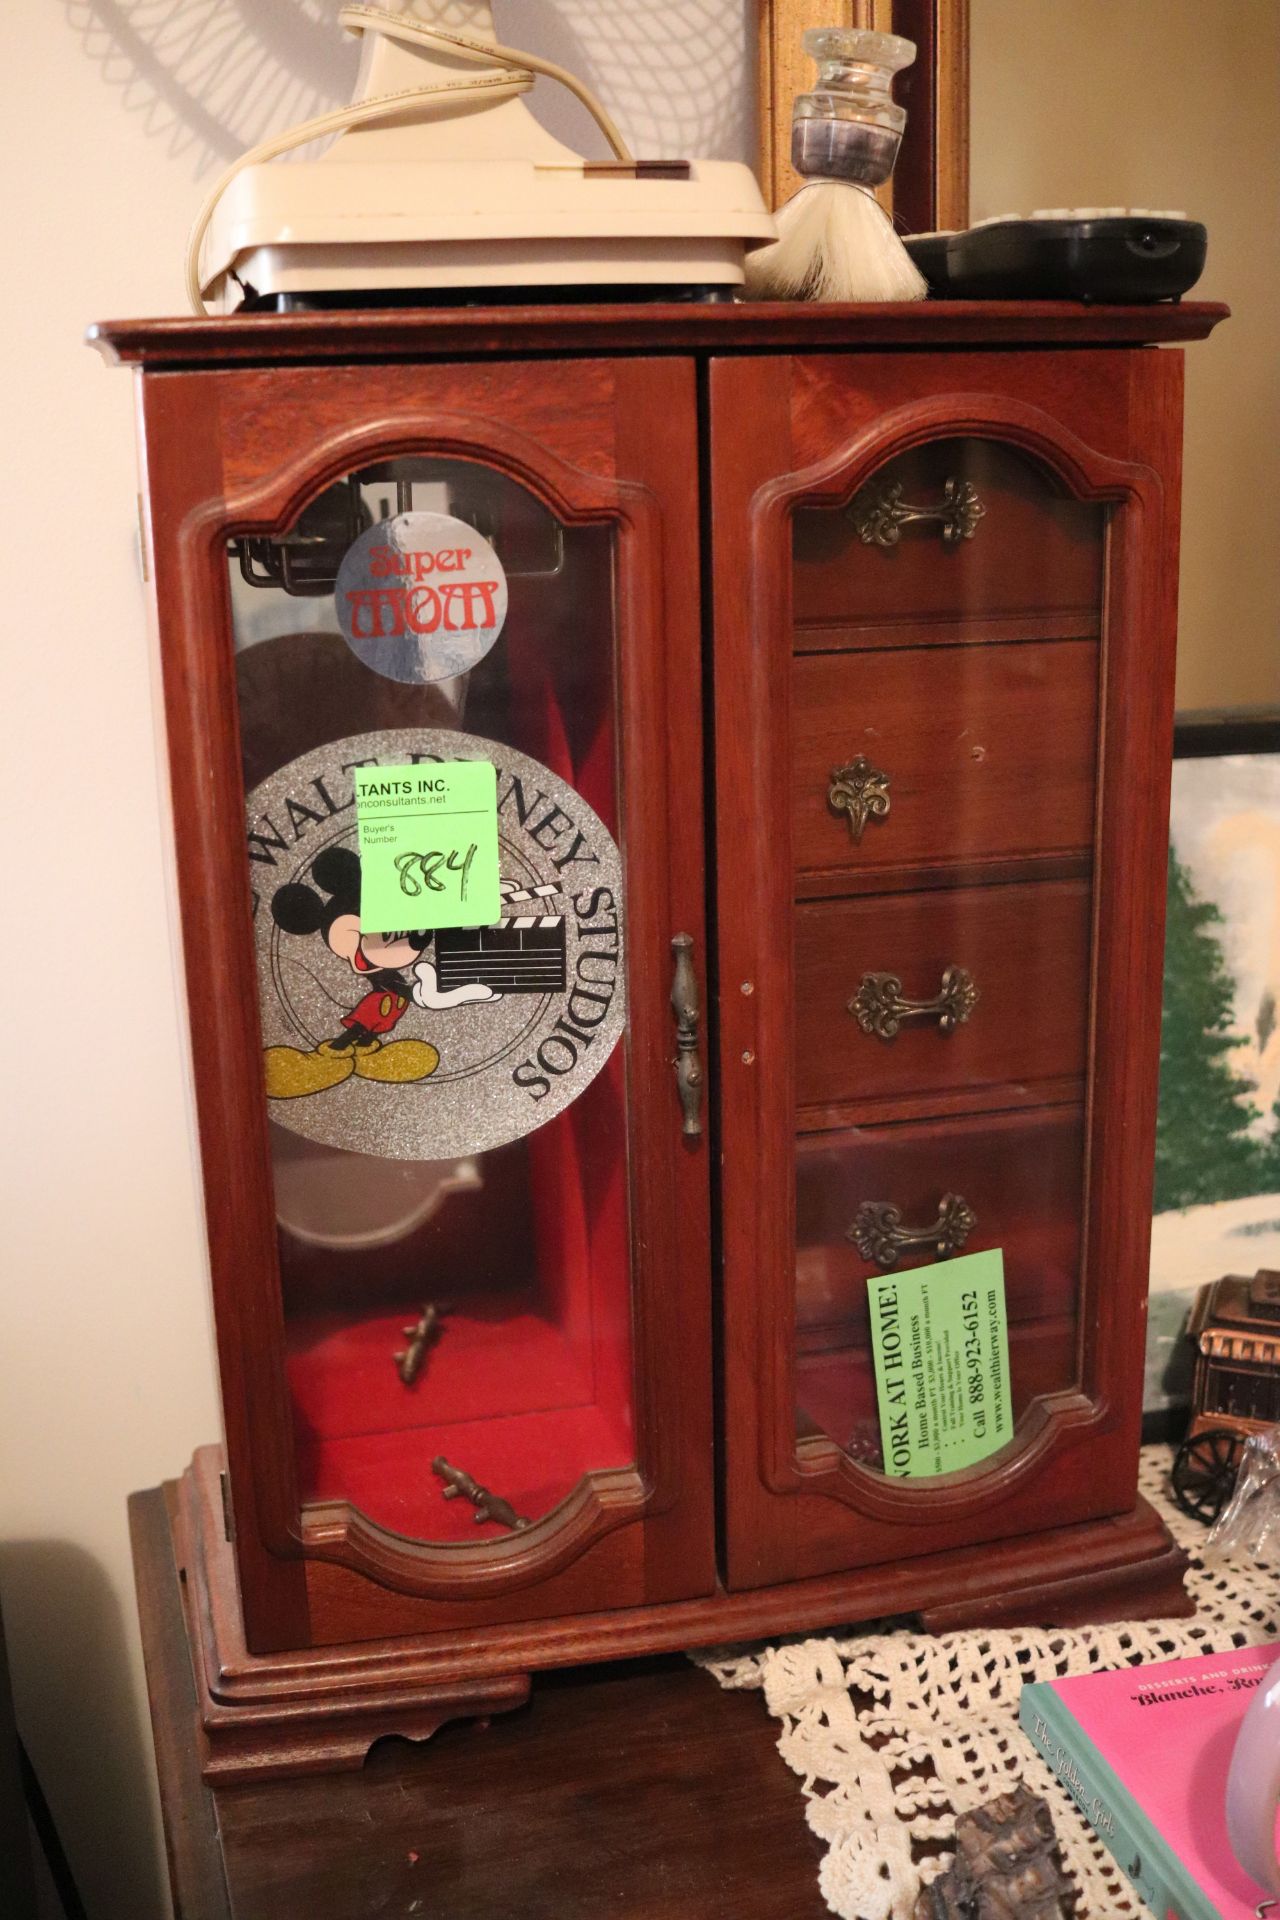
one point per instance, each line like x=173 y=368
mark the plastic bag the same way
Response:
x=1250 y=1521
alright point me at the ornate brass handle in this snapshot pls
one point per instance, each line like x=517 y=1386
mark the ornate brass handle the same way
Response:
x=684 y=1005
x=861 y=791
x=879 y=1235
x=880 y=514
x=880 y=1007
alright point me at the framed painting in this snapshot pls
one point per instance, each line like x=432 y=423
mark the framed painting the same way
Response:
x=1217 y=1185
x=930 y=184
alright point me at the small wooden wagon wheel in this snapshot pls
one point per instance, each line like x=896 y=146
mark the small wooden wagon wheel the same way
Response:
x=1204 y=1473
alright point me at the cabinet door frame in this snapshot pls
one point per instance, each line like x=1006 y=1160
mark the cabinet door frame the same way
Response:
x=242 y=451
x=805 y=431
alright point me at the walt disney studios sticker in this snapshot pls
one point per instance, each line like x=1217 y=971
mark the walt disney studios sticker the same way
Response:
x=430 y=1046
x=421 y=597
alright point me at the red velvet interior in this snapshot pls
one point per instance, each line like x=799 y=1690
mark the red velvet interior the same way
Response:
x=491 y=1357
x=533 y=1460
x=502 y=1393
x=528 y=1385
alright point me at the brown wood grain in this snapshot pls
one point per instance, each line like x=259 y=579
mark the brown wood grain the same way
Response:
x=245 y=450
x=931 y=176
x=251 y=1707
x=1029 y=761
x=1132 y=852
x=1035 y=552
x=787 y=437
x=646 y=1791
x=1026 y=950
x=973 y=772
x=182 y=454
x=196 y=1876
x=1022 y=1174
x=511 y=332
x=945 y=630
x=688 y=1799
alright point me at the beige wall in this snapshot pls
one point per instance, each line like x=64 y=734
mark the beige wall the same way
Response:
x=106 y=1369
x=107 y=1383
x=1169 y=103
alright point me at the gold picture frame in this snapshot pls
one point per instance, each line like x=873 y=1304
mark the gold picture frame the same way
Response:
x=930 y=185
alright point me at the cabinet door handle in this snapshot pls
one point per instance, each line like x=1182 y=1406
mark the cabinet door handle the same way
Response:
x=880 y=1006
x=880 y=513
x=688 y=1016
x=879 y=1235
x=861 y=791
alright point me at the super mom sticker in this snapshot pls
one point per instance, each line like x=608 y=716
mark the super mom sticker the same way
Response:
x=421 y=597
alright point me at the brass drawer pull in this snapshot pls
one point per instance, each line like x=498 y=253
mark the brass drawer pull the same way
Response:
x=880 y=1007
x=880 y=514
x=685 y=1007
x=879 y=1235
x=861 y=791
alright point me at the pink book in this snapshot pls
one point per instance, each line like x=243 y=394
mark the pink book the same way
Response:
x=1144 y=1752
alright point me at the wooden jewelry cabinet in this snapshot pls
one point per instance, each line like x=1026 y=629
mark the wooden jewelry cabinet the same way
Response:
x=847 y=637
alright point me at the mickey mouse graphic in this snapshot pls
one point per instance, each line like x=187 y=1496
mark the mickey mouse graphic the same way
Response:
x=376 y=959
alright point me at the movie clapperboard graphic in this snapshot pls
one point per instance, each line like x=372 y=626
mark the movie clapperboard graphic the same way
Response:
x=522 y=953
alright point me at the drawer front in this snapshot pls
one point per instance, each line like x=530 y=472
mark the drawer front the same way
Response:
x=979 y=753
x=1019 y=1176
x=929 y=993
x=951 y=532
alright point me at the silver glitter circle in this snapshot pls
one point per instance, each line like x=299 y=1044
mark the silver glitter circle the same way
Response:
x=422 y=597
x=507 y=1064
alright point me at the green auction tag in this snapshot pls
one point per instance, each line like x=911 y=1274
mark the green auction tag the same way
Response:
x=939 y=1337
x=428 y=846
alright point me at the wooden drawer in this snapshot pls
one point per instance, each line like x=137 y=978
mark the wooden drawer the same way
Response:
x=987 y=753
x=1023 y=949
x=1021 y=1174
x=1032 y=565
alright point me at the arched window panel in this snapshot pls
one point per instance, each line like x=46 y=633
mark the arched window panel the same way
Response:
x=945 y=698
x=447 y=1106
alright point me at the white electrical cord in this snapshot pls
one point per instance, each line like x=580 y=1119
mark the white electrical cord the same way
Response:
x=514 y=75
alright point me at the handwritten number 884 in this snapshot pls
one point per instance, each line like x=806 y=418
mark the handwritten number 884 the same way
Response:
x=420 y=872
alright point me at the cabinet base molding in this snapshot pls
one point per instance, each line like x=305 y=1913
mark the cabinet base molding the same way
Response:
x=264 y=1716
x=275 y=1716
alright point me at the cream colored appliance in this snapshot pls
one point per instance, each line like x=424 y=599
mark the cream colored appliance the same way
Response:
x=441 y=183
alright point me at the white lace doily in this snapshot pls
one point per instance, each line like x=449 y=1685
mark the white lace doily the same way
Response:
x=895 y=1733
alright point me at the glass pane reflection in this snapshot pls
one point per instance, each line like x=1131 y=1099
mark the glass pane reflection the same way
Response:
x=412 y=1160
x=946 y=659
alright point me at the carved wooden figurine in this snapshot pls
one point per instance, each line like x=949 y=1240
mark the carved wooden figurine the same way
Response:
x=1005 y=1868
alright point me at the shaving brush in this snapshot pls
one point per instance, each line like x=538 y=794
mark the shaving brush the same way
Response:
x=835 y=241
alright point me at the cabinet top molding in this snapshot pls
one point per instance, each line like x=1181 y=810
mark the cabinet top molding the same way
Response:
x=517 y=332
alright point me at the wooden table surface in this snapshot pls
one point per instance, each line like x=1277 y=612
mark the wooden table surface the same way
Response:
x=641 y=1791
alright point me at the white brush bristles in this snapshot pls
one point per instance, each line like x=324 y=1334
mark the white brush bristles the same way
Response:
x=835 y=242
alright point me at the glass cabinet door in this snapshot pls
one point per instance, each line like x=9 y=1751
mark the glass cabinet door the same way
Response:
x=944 y=687
x=940 y=673
x=469 y=1314
x=448 y=1108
